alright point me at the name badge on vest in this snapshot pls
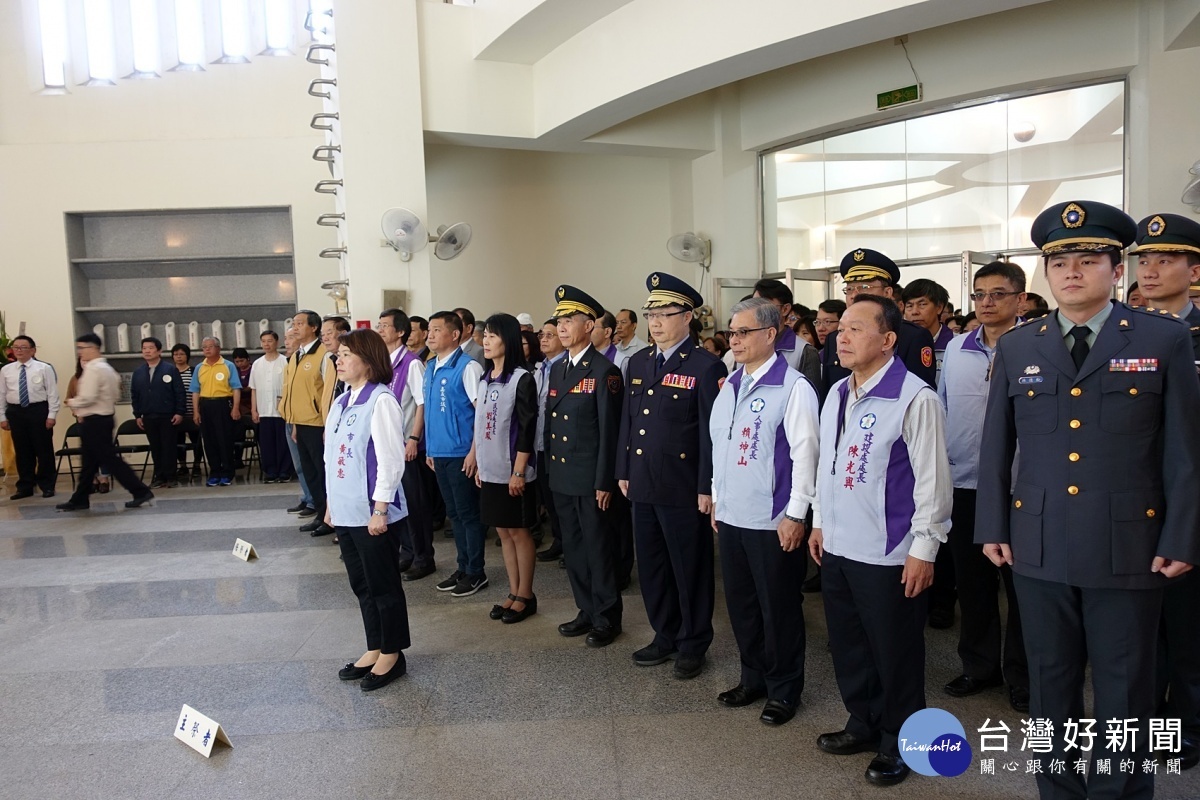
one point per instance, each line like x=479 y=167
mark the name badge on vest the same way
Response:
x=585 y=386
x=675 y=381
x=1133 y=365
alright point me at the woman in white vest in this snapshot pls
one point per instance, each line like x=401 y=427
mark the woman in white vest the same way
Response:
x=505 y=423
x=364 y=462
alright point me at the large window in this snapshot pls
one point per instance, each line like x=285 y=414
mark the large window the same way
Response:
x=931 y=187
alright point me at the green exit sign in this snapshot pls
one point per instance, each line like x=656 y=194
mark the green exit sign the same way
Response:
x=898 y=97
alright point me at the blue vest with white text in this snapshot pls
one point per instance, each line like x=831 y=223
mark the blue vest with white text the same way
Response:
x=449 y=415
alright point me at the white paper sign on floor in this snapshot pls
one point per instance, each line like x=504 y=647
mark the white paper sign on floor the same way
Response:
x=244 y=550
x=198 y=731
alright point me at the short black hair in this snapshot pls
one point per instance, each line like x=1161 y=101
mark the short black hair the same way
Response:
x=239 y=352
x=607 y=320
x=422 y=323
x=890 y=318
x=272 y=334
x=1034 y=300
x=1006 y=270
x=833 y=307
x=633 y=317
x=771 y=289
x=399 y=322
x=187 y=351
x=925 y=288
x=340 y=324
x=451 y=319
x=151 y=340
x=89 y=338
x=467 y=317
x=311 y=318
x=552 y=321
x=32 y=343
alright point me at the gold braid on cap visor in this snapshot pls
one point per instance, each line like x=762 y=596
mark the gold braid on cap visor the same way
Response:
x=660 y=297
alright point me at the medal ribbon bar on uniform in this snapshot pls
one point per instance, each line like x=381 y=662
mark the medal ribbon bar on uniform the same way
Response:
x=1133 y=365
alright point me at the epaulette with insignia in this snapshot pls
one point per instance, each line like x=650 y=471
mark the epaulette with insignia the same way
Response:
x=1021 y=324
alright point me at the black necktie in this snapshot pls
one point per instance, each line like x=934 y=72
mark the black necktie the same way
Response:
x=566 y=367
x=1079 y=351
x=659 y=361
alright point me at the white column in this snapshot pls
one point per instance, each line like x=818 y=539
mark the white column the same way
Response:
x=383 y=150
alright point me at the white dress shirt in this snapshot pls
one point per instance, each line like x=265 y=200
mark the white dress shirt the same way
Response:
x=97 y=391
x=472 y=373
x=925 y=435
x=266 y=380
x=40 y=380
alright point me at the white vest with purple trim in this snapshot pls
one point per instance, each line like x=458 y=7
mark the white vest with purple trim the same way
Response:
x=752 y=459
x=350 y=463
x=865 y=480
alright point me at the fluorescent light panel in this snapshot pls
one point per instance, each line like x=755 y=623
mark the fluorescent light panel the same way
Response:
x=189 y=33
x=98 y=20
x=233 y=31
x=279 y=26
x=52 y=19
x=143 y=15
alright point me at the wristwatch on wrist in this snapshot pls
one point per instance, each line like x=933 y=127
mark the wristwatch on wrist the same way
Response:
x=793 y=519
x=414 y=438
x=520 y=475
x=377 y=513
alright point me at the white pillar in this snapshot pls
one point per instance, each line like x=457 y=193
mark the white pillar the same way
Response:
x=383 y=149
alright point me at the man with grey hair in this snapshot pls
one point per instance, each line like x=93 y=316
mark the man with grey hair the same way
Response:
x=217 y=394
x=764 y=430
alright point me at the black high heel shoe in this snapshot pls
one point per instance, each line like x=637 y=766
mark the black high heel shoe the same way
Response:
x=512 y=616
x=498 y=611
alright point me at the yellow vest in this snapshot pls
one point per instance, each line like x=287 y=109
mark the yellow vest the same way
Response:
x=303 y=388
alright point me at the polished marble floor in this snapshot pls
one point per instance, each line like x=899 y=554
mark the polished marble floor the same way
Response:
x=110 y=620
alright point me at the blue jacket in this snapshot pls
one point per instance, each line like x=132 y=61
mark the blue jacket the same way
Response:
x=164 y=396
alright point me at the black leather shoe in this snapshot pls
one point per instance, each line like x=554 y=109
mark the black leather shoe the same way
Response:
x=306 y=512
x=941 y=618
x=416 y=573
x=887 y=770
x=576 y=627
x=353 y=673
x=550 y=553
x=296 y=509
x=1018 y=698
x=845 y=743
x=512 y=616
x=405 y=566
x=965 y=685
x=688 y=666
x=603 y=636
x=312 y=525
x=140 y=500
x=72 y=506
x=20 y=495
x=740 y=696
x=777 y=712
x=498 y=610
x=371 y=681
x=48 y=493
x=652 y=655
x=320 y=530
x=1189 y=753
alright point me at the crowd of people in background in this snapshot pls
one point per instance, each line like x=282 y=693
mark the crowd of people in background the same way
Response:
x=876 y=436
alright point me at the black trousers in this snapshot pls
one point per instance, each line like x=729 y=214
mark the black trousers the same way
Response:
x=216 y=427
x=675 y=570
x=311 y=444
x=979 y=635
x=416 y=537
x=621 y=512
x=373 y=567
x=34 y=446
x=762 y=593
x=877 y=640
x=590 y=550
x=944 y=591
x=546 y=498
x=164 y=441
x=1116 y=631
x=96 y=439
x=273 y=450
x=1179 y=654
x=188 y=432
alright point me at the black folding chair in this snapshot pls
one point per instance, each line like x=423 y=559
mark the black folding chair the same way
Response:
x=129 y=429
x=68 y=452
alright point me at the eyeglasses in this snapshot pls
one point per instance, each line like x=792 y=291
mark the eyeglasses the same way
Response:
x=860 y=287
x=381 y=325
x=21 y=347
x=995 y=297
x=825 y=323
x=547 y=335
x=742 y=333
x=653 y=315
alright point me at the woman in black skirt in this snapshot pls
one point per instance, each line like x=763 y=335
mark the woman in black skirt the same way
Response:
x=505 y=423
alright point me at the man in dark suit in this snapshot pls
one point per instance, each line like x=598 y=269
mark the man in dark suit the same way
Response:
x=1168 y=263
x=1101 y=400
x=871 y=272
x=583 y=410
x=159 y=403
x=664 y=467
